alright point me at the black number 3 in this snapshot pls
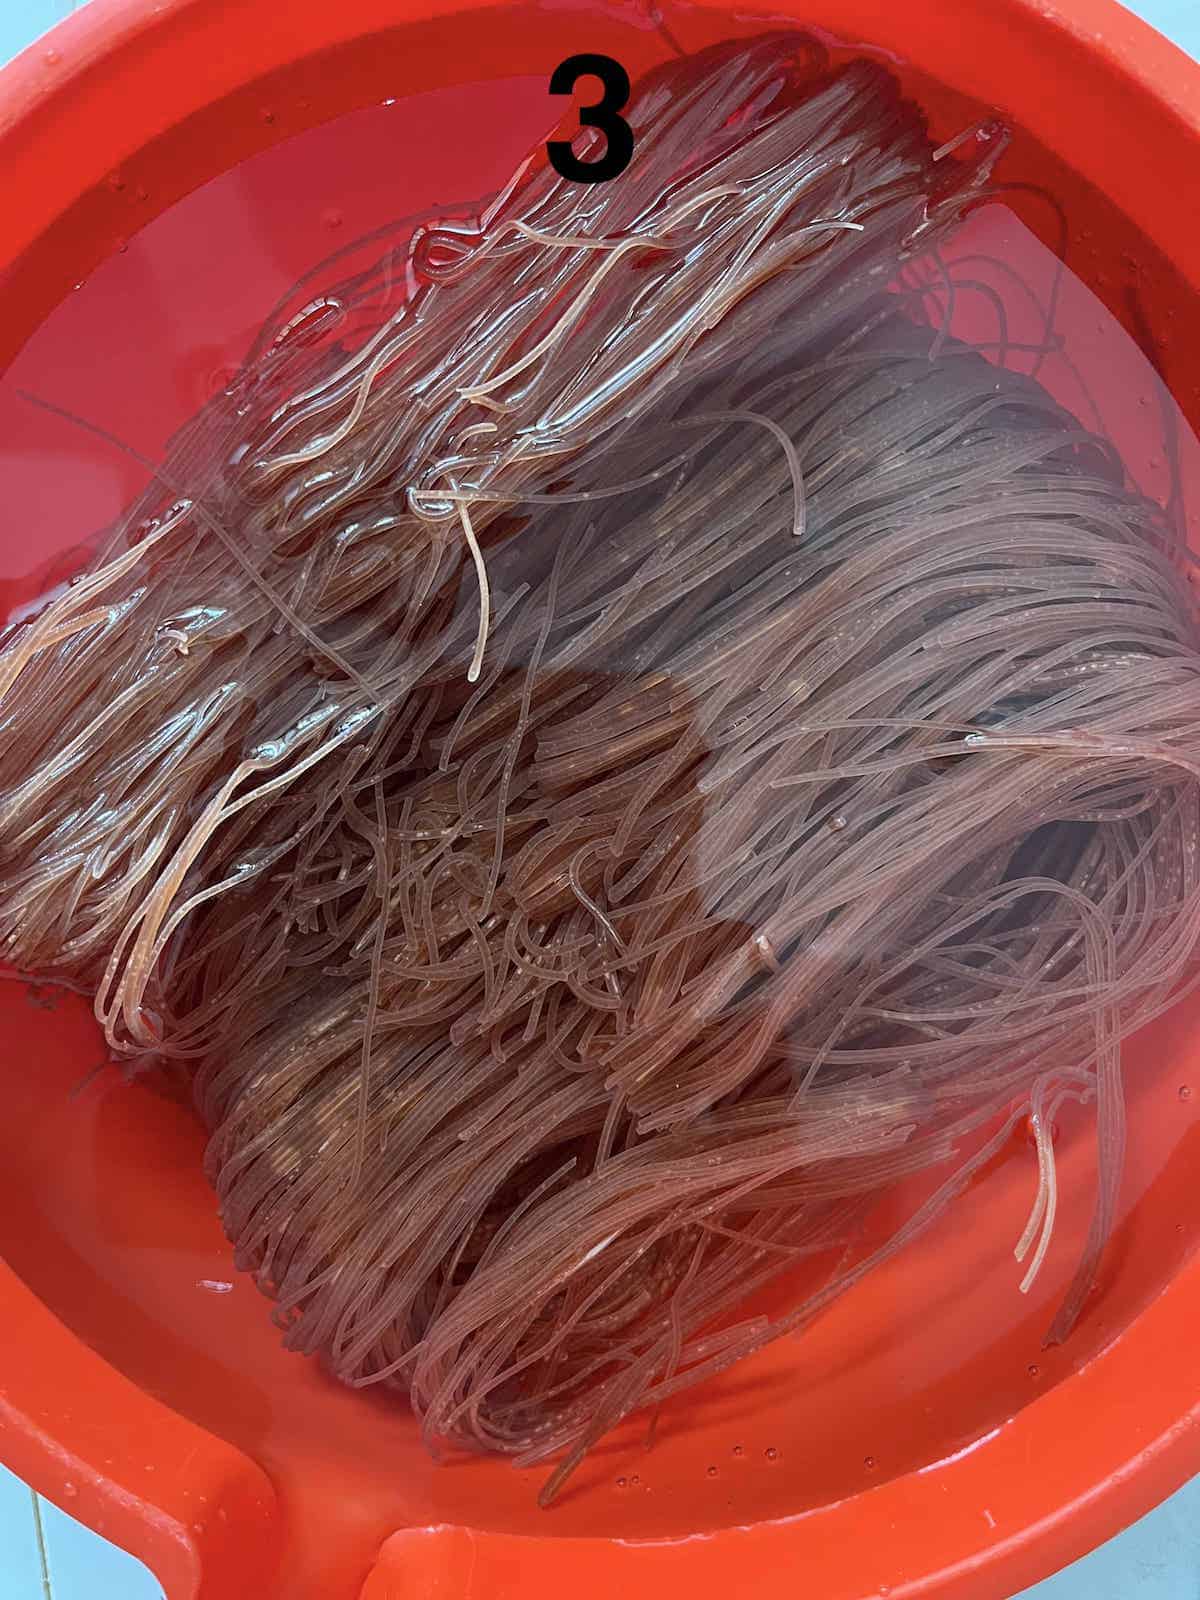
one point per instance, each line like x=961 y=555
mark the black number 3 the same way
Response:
x=602 y=115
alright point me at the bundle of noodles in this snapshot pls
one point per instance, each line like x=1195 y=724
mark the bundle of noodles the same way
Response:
x=754 y=875
x=823 y=800
x=297 y=585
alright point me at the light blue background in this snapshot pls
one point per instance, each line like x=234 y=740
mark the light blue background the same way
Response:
x=45 y=1555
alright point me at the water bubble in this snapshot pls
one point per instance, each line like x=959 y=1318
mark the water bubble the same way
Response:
x=771 y=1453
x=622 y=1483
x=739 y=1450
x=1034 y=1370
x=1030 y=1130
x=712 y=1472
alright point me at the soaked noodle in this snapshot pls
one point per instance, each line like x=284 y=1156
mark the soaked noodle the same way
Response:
x=695 y=747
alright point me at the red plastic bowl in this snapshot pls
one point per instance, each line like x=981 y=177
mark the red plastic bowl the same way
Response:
x=917 y=1440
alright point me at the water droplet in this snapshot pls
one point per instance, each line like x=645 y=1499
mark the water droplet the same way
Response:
x=739 y=1450
x=771 y=1453
x=53 y=57
x=116 y=182
x=712 y=1472
x=1185 y=1092
x=1034 y=1370
x=869 y=1463
x=836 y=824
x=331 y=218
x=635 y=1480
x=69 y=1491
x=267 y=116
x=141 y=192
x=622 y=1483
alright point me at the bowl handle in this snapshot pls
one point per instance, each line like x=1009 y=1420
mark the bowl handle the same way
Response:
x=200 y=1514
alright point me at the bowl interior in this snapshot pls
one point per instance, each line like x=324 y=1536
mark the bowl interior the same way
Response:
x=105 y=1211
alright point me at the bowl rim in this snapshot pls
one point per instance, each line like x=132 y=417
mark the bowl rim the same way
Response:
x=1071 y=1468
